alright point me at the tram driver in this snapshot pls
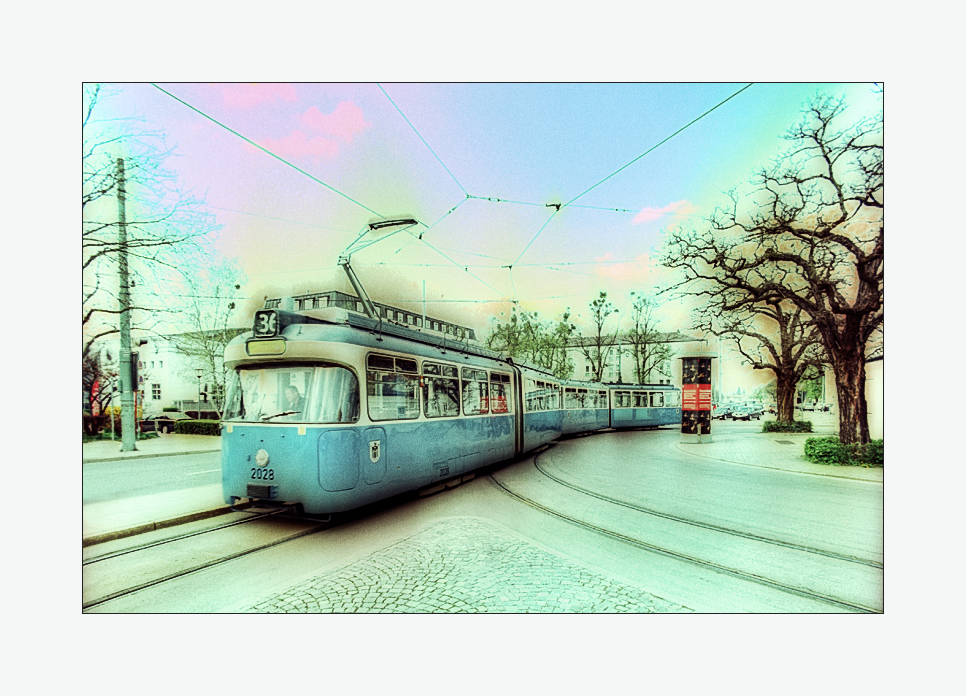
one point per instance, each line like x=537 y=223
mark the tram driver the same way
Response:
x=293 y=400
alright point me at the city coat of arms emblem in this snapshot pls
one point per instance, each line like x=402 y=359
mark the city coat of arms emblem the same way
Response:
x=374 y=451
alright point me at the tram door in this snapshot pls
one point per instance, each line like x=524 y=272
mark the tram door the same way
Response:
x=517 y=396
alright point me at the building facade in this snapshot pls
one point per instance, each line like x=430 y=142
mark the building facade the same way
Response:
x=618 y=359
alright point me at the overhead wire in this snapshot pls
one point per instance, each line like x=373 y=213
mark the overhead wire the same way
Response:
x=421 y=138
x=648 y=151
x=466 y=268
x=652 y=149
x=266 y=151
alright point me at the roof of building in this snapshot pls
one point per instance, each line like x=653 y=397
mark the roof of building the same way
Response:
x=624 y=339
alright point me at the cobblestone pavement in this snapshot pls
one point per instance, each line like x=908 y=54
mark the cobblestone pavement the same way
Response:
x=463 y=566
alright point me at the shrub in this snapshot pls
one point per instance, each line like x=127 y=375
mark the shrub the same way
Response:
x=828 y=450
x=873 y=454
x=198 y=427
x=786 y=427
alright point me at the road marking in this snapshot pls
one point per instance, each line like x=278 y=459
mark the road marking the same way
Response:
x=209 y=471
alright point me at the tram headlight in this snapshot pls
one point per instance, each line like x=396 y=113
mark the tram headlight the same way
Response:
x=261 y=458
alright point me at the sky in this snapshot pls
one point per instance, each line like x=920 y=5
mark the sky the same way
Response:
x=478 y=166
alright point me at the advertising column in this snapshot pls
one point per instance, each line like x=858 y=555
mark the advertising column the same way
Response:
x=696 y=399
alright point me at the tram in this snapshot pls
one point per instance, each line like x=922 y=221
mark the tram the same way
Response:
x=330 y=410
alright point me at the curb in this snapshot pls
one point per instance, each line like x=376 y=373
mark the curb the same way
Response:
x=148 y=454
x=163 y=524
x=829 y=474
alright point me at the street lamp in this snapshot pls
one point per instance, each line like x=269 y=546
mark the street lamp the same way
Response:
x=198 y=372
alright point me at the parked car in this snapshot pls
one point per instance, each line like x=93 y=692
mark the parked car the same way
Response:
x=163 y=423
x=746 y=413
x=721 y=412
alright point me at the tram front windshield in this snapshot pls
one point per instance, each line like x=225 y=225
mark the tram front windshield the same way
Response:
x=294 y=393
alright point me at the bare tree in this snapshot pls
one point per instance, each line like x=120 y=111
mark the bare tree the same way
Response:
x=99 y=376
x=774 y=335
x=810 y=236
x=205 y=324
x=598 y=346
x=161 y=219
x=647 y=352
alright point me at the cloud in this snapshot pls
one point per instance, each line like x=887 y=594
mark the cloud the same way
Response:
x=343 y=123
x=682 y=207
x=298 y=145
x=250 y=95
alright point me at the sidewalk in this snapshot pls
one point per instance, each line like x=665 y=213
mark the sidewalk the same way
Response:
x=161 y=446
x=782 y=451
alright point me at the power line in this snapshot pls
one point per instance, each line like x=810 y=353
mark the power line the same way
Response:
x=421 y=138
x=679 y=130
x=268 y=152
x=662 y=142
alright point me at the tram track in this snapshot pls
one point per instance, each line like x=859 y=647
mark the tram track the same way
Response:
x=706 y=525
x=666 y=549
x=120 y=574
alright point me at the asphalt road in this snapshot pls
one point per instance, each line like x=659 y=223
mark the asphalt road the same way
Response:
x=482 y=546
x=113 y=480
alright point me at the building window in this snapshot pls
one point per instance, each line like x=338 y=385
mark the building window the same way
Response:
x=156 y=392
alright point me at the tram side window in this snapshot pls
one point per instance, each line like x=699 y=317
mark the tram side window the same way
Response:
x=673 y=399
x=657 y=398
x=622 y=399
x=543 y=396
x=391 y=385
x=640 y=399
x=570 y=398
x=499 y=392
x=601 y=401
x=441 y=390
x=475 y=392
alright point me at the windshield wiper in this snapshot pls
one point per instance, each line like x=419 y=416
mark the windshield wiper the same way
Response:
x=283 y=413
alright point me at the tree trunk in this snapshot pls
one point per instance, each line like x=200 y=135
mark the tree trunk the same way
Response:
x=785 y=398
x=850 y=388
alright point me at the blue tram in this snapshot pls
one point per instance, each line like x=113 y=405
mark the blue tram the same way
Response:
x=331 y=410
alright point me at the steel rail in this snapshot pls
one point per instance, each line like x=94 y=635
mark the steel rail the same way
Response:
x=203 y=566
x=685 y=557
x=706 y=525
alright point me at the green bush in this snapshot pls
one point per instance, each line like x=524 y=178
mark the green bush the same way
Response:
x=828 y=450
x=198 y=427
x=873 y=454
x=786 y=427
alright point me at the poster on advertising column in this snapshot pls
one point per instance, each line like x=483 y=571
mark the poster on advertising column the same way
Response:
x=696 y=396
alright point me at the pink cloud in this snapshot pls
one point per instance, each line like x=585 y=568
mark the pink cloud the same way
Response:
x=248 y=95
x=638 y=270
x=682 y=207
x=344 y=122
x=298 y=145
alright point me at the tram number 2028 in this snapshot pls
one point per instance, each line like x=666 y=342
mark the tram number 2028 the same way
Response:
x=263 y=474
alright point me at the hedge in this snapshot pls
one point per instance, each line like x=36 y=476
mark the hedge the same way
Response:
x=198 y=427
x=828 y=450
x=786 y=427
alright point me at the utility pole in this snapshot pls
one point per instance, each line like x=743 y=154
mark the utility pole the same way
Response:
x=128 y=436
